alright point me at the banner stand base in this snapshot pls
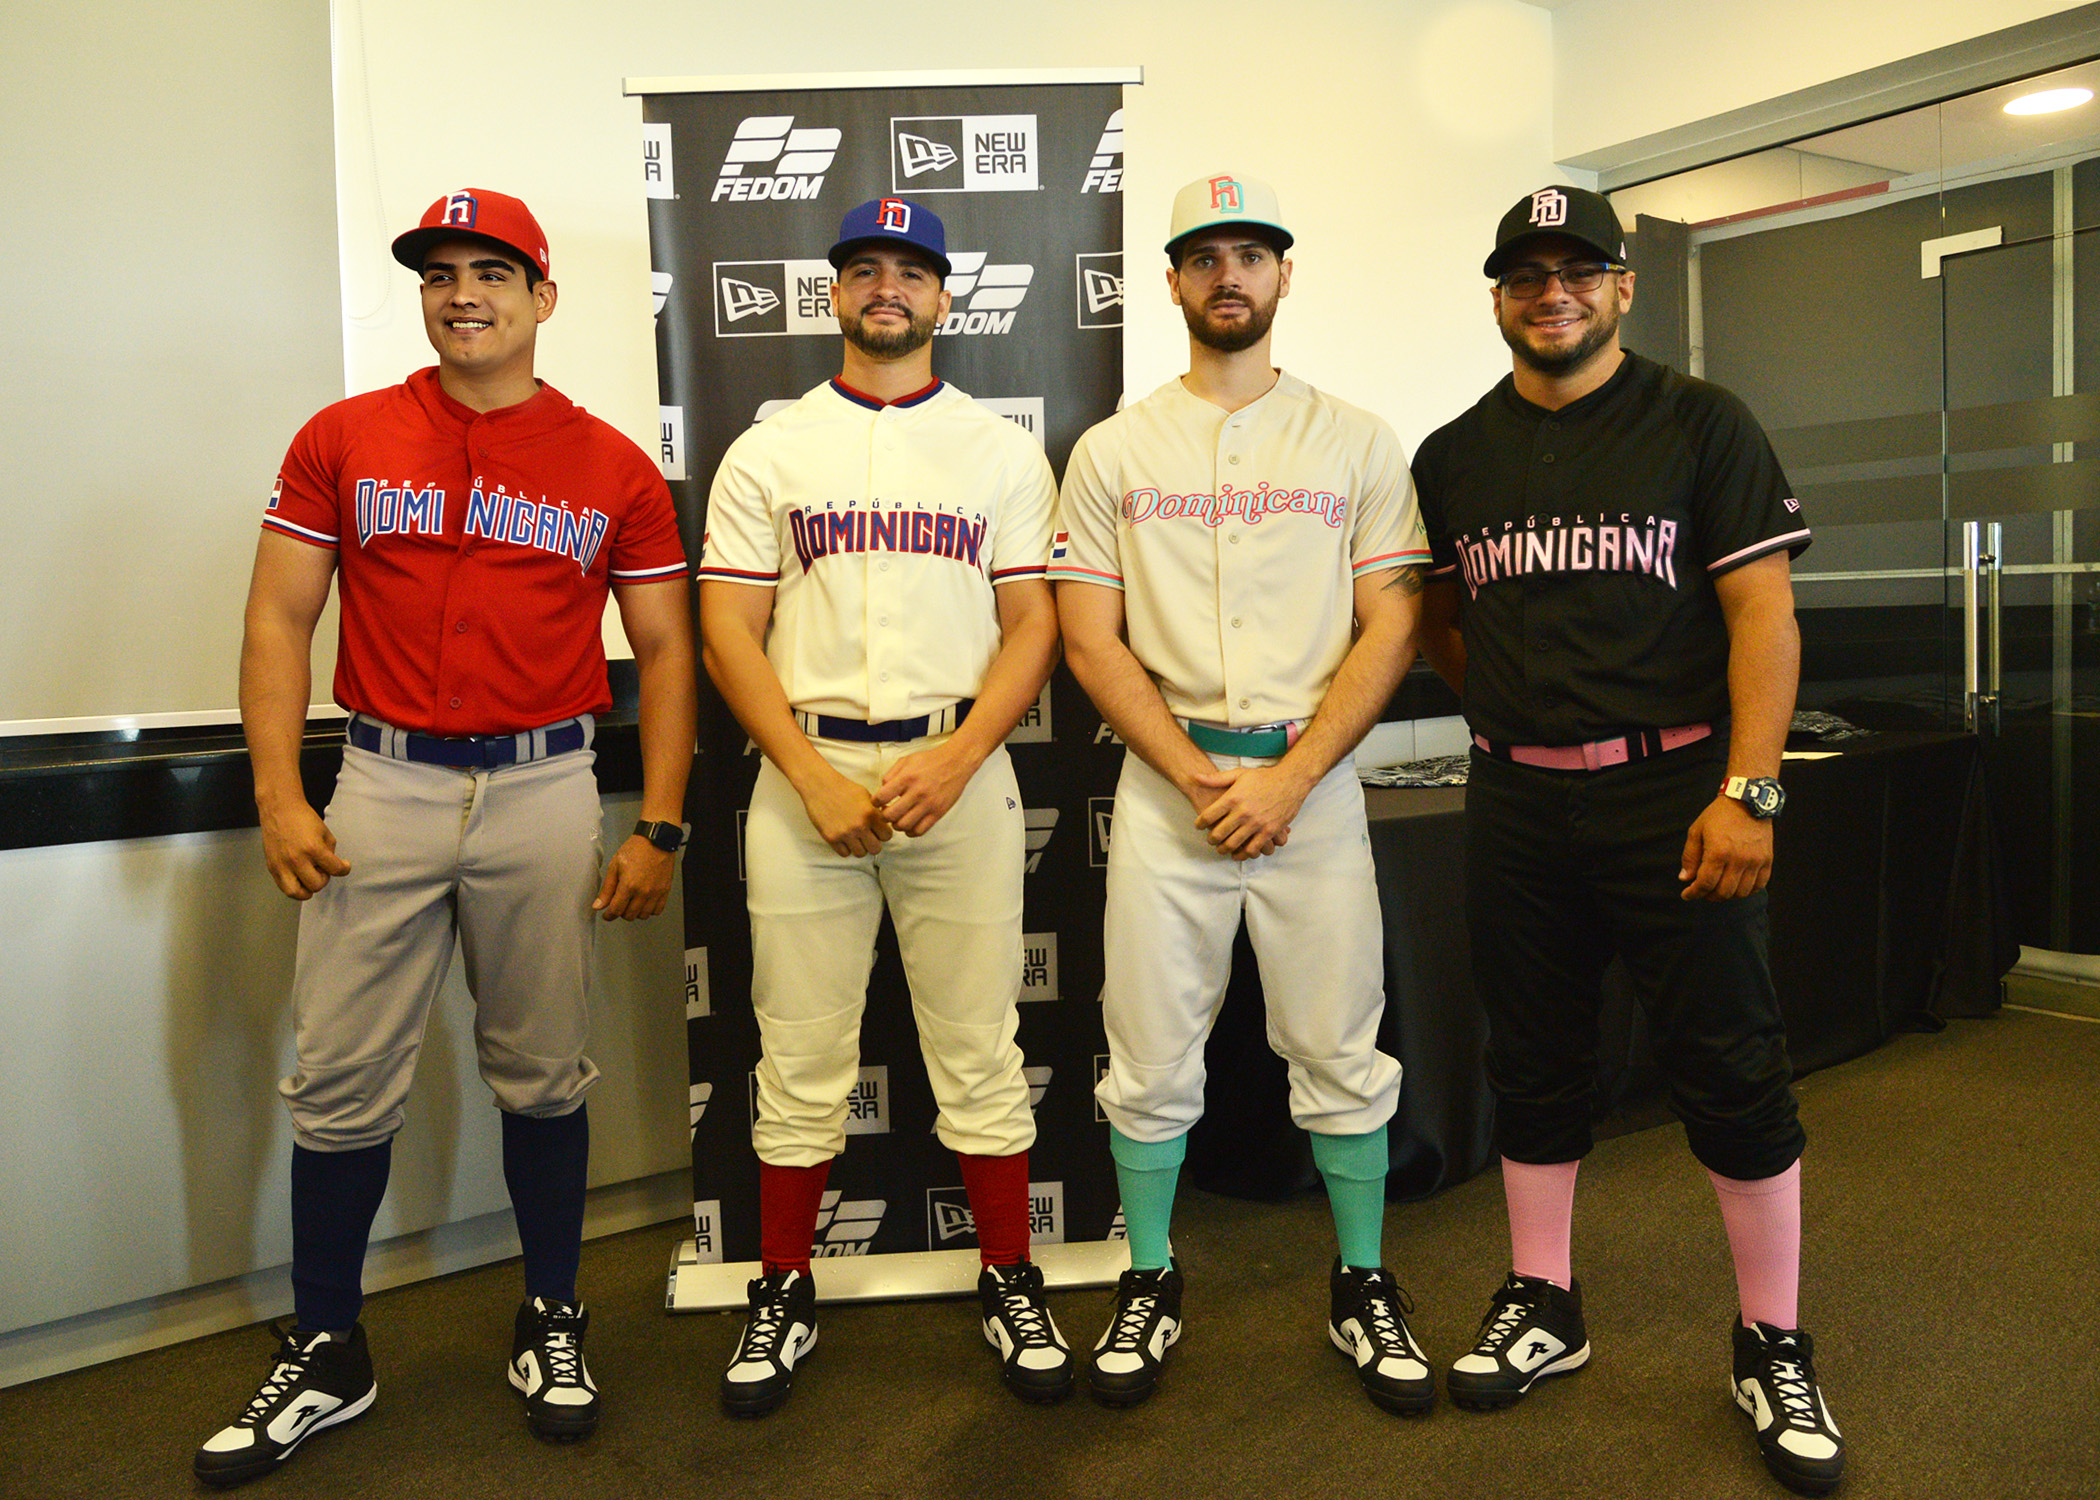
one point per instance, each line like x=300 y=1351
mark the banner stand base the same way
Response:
x=698 y=1287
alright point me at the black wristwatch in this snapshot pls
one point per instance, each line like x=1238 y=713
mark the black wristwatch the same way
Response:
x=668 y=837
x=1761 y=796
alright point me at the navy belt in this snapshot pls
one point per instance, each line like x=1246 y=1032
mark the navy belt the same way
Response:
x=481 y=751
x=825 y=727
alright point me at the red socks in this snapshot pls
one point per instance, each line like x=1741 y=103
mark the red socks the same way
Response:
x=998 y=1187
x=788 y=1200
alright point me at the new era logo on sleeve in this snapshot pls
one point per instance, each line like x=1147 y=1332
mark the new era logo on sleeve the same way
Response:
x=1104 y=174
x=1549 y=208
x=773 y=298
x=770 y=158
x=963 y=154
x=1100 y=289
x=656 y=162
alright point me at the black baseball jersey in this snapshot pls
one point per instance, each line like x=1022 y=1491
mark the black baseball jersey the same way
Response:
x=1586 y=541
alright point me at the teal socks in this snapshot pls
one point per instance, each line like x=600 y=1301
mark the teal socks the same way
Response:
x=1146 y=1174
x=1354 y=1167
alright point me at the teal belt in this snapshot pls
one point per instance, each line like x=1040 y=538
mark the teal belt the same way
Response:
x=1250 y=744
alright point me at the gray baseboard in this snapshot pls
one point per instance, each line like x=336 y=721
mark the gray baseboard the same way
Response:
x=111 y=1333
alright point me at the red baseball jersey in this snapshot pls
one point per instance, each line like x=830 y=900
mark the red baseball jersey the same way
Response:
x=475 y=550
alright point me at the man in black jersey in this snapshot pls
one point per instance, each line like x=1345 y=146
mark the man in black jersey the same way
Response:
x=1611 y=601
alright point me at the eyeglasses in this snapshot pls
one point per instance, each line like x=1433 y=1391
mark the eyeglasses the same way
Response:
x=1527 y=282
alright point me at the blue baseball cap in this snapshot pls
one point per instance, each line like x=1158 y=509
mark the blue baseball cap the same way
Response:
x=893 y=220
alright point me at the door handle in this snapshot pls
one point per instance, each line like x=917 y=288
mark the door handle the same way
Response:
x=1983 y=630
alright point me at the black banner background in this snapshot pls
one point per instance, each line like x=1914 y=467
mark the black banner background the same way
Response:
x=724 y=243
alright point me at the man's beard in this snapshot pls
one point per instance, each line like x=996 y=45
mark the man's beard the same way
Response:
x=887 y=342
x=1231 y=339
x=1604 y=324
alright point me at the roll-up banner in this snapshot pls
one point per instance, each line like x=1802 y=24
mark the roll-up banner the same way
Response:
x=747 y=179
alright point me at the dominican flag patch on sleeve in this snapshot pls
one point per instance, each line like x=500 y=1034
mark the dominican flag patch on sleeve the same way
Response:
x=1058 y=546
x=276 y=493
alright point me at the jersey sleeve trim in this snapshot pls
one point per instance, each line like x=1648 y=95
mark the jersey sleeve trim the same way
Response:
x=1411 y=557
x=1002 y=575
x=1751 y=553
x=1073 y=573
x=638 y=575
x=300 y=533
x=737 y=575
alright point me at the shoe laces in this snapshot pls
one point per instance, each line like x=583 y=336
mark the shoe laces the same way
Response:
x=1132 y=1314
x=564 y=1358
x=1377 y=1294
x=290 y=1364
x=1503 y=1318
x=1020 y=1309
x=1792 y=1382
x=769 y=1312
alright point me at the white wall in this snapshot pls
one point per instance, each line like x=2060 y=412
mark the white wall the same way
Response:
x=1396 y=131
x=144 y=1151
x=1624 y=69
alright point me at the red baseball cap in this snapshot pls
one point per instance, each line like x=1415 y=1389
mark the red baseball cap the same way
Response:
x=476 y=214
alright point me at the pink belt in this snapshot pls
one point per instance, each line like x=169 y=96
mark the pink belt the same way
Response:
x=1598 y=754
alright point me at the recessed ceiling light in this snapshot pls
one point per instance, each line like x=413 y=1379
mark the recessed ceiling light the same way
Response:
x=2048 y=101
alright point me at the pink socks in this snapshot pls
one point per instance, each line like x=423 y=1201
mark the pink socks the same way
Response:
x=1764 y=1234
x=1541 y=1212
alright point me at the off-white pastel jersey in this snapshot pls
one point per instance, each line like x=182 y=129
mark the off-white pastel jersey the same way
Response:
x=883 y=530
x=1236 y=538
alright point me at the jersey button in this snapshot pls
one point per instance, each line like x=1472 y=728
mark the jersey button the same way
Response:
x=460 y=628
x=1234 y=539
x=455 y=703
x=1545 y=458
x=1246 y=703
x=1234 y=459
x=1235 y=622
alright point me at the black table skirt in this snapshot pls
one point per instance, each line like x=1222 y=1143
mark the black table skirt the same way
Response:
x=1888 y=913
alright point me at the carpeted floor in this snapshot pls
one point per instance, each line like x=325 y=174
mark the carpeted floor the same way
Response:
x=1953 y=1235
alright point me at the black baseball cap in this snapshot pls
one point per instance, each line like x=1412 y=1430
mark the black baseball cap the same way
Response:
x=1572 y=212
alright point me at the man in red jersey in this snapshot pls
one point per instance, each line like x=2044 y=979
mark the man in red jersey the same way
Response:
x=476 y=521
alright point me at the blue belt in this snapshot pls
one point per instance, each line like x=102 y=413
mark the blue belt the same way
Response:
x=477 y=750
x=1265 y=743
x=825 y=727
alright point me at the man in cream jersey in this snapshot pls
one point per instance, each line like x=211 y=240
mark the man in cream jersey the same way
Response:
x=1238 y=580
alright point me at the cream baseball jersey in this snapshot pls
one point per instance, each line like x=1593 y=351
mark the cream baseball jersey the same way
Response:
x=474 y=551
x=1236 y=538
x=884 y=529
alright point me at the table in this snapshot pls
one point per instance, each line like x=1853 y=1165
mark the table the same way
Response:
x=1888 y=913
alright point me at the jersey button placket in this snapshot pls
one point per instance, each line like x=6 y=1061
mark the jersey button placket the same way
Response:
x=1231 y=562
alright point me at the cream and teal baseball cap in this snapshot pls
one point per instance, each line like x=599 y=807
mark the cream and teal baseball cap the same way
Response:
x=1228 y=198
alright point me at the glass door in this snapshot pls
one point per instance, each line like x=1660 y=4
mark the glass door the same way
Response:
x=2022 y=467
